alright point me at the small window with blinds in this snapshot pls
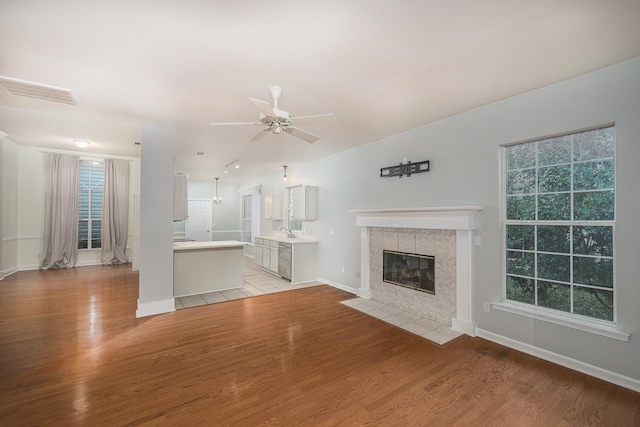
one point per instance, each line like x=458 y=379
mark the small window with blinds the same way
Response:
x=91 y=183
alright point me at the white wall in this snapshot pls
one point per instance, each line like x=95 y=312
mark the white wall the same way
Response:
x=29 y=208
x=464 y=155
x=9 y=214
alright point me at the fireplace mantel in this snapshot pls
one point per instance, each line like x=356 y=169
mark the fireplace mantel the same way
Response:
x=459 y=218
x=437 y=218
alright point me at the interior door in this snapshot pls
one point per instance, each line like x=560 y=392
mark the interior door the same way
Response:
x=200 y=219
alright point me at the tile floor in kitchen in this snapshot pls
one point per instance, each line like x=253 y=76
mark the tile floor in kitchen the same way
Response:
x=258 y=282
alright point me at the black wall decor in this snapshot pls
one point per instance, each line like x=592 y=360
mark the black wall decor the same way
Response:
x=405 y=169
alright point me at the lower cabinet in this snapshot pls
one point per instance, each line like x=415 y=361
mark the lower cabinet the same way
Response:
x=273 y=263
x=257 y=254
x=266 y=257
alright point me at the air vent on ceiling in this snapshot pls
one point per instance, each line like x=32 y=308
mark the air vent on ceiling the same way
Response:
x=38 y=90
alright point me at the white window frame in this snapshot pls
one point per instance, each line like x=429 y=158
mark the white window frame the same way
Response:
x=570 y=320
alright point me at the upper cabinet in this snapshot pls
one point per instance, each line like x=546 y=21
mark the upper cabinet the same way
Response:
x=180 y=205
x=305 y=203
x=273 y=206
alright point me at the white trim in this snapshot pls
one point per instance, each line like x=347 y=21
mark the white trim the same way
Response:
x=8 y=272
x=340 y=286
x=28 y=267
x=18 y=238
x=567 y=362
x=155 y=307
x=438 y=218
x=557 y=319
x=459 y=218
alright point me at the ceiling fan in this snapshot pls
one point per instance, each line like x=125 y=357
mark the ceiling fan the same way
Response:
x=277 y=120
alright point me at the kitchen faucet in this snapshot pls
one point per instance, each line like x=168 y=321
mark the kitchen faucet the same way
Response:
x=289 y=232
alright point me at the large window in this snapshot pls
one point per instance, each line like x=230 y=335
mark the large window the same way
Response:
x=90 y=204
x=559 y=219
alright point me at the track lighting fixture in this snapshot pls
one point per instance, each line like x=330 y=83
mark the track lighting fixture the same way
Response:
x=235 y=164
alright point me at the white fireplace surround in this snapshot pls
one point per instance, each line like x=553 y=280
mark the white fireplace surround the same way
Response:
x=462 y=219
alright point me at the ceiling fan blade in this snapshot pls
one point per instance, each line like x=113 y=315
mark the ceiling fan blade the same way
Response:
x=309 y=137
x=317 y=119
x=264 y=107
x=235 y=123
x=260 y=135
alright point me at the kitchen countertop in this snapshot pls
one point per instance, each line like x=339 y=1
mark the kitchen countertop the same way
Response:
x=190 y=246
x=284 y=239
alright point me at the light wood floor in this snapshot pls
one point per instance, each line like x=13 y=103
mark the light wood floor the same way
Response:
x=73 y=353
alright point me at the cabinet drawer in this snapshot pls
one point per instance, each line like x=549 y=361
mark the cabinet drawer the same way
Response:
x=258 y=242
x=273 y=243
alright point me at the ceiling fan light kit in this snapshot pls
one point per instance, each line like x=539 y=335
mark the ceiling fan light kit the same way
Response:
x=276 y=120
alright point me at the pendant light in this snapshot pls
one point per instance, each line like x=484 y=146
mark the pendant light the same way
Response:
x=285 y=172
x=217 y=199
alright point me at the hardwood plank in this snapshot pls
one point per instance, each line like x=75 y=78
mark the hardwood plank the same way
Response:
x=73 y=353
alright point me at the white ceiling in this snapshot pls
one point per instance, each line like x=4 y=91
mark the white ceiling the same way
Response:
x=380 y=66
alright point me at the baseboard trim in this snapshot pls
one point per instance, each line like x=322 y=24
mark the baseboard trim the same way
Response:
x=567 y=362
x=8 y=272
x=28 y=267
x=340 y=286
x=155 y=307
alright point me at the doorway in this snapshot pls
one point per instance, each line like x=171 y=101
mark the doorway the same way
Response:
x=200 y=220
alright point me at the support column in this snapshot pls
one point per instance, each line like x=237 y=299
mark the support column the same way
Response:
x=156 y=220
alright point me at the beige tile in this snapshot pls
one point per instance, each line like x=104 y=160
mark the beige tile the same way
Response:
x=213 y=297
x=192 y=301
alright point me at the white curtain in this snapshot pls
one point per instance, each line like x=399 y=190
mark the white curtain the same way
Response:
x=115 y=212
x=60 y=234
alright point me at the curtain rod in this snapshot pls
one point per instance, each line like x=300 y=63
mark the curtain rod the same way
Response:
x=82 y=156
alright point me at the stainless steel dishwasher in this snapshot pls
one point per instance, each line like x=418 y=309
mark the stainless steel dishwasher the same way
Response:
x=284 y=260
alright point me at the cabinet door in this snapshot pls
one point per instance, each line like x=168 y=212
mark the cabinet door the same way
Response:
x=273 y=206
x=274 y=260
x=257 y=255
x=266 y=257
x=305 y=203
x=180 y=196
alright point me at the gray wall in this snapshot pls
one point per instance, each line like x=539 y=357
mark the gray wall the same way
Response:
x=464 y=155
x=226 y=216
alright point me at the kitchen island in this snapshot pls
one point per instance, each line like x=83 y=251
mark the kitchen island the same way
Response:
x=201 y=267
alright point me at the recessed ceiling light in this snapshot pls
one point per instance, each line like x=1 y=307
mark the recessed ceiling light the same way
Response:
x=200 y=153
x=81 y=143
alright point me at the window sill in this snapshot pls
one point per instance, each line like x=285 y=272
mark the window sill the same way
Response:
x=557 y=319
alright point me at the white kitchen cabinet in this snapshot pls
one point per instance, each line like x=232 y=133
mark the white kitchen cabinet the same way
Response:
x=273 y=206
x=180 y=197
x=303 y=256
x=273 y=248
x=257 y=253
x=266 y=257
x=305 y=203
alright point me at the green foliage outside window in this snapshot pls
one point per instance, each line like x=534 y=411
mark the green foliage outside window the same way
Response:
x=559 y=234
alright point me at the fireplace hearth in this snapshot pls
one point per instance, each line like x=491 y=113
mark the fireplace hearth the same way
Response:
x=413 y=271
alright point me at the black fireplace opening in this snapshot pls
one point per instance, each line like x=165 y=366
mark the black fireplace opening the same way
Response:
x=412 y=271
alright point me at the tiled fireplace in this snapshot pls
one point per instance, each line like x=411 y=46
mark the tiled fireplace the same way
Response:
x=444 y=233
